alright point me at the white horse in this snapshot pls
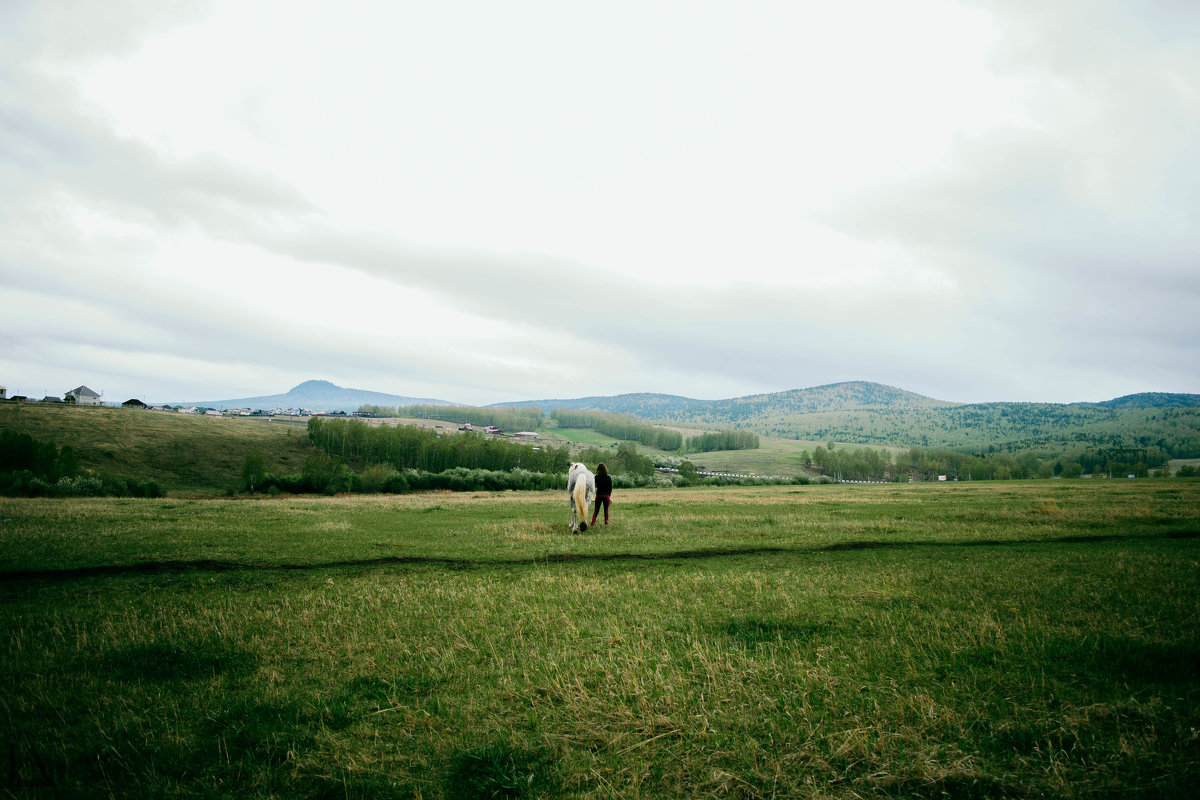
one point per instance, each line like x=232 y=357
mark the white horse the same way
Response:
x=581 y=491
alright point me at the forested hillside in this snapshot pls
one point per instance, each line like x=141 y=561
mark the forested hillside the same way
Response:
x=872 y=414
x=646 y=406
x=1000 y=426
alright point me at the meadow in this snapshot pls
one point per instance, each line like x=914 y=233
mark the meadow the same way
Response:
x=999 y=639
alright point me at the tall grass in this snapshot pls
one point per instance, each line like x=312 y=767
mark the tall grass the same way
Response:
x=890 y=641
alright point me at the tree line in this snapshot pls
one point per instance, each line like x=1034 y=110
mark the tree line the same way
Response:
x=866 y=464
x=722 y=440
x=352 y=456
x=509 y=419
x=412 y=447
x=618 y=426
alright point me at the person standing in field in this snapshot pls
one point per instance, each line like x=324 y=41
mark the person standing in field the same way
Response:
x=603 y=492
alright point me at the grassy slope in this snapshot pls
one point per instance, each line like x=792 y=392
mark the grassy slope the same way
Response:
x=998 y=640
x=186 y=453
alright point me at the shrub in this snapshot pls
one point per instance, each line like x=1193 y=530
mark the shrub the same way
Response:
x=373 y=478
x=395 y=483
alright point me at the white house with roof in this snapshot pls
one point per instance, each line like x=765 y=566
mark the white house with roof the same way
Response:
x=82 y=396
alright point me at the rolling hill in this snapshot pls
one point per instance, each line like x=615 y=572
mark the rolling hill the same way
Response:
x=856 y=412
x=862 y=412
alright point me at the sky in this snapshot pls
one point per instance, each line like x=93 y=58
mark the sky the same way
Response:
x=484 y=202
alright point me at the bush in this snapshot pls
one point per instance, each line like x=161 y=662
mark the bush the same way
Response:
x=23 y=483
x=372 y=479
x=395 y=483
x=79 y=486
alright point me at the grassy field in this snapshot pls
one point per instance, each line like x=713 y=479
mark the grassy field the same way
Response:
x=184 y=452
x=774 y=457
x=964 y=641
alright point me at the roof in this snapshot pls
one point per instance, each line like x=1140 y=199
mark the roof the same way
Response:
x=83 y=391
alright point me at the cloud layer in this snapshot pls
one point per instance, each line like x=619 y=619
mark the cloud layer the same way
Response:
x=971 y=200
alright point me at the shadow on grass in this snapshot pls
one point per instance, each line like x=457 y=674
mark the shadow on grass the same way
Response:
x=166 y=660
x=754 y=631
x=210 y=565
x=499 y=770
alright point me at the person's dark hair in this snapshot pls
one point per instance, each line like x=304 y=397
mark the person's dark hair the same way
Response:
x=601 y=469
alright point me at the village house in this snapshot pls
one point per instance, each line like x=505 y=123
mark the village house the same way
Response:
x=82 y=396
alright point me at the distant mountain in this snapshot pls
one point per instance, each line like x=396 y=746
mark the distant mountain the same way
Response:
x=846 y=396
x=645 y=405
x=320 y=396
x=1152 y=400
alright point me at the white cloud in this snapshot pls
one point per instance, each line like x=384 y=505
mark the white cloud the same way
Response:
x=485 y=202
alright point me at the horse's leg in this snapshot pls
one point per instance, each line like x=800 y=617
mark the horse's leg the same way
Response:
x=580 y=512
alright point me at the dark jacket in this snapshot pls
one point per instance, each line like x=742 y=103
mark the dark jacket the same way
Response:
x=603 y=485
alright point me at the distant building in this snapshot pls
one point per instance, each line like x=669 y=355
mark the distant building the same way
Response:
x=527 y=435
x=3 y=392
x=83 y=396
x=133 y=402
x=51 y=399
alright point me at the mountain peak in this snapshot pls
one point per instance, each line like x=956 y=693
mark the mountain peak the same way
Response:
x=314 y=386
x=322 y=396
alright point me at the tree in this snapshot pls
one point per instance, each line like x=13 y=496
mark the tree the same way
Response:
x=629 y=461
x=254 y=470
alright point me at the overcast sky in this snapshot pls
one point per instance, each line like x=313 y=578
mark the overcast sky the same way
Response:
x=482 y=201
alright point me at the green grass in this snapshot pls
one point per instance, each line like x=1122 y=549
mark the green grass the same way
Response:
x=186 y=453
x=774 y=457
x=982 y=640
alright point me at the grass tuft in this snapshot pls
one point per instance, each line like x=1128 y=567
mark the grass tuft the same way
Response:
x=499 y=770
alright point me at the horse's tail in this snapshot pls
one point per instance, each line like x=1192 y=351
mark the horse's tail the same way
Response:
x=580 y=498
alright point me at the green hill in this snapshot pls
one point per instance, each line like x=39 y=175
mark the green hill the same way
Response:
x=191 y=454
x=861 y=412
x=186 y=453
x=1153 y=400
x=1005 y=426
